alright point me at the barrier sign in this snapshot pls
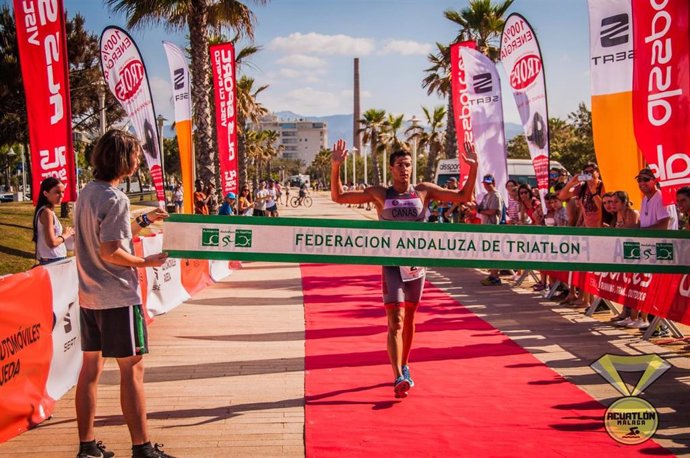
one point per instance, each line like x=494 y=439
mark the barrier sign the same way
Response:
x=426 y=244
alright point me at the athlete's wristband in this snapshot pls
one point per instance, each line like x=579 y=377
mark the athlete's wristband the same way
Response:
x=143 y=221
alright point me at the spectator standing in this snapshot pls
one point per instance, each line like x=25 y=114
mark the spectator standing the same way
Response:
x=178 y=196
x=653 y=215
x=513 y=205
x=608 y=214
x=452 y=210
x=489 y=211
x=228 y=205
x=200 y=198
x=244 y=203
x=589 y=189
x=272 y=201
x=683 y=204
x=212 y=196
x=48 y=234
x=260 y=200
x=626 y=216
x=529 y=212
x=112 y=320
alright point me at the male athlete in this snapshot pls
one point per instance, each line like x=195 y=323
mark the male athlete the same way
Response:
x=402 y=286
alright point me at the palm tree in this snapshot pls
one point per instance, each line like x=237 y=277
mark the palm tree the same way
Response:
x=482 y=22
x=249 y=111
x=270 y=151
x=432 y=139
x=372 y=123
x=198 y=16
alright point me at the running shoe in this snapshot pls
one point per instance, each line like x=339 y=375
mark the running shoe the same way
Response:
x=491 y=281
x=149 y=451
x=401 y=387
x=406 y=374
x=638 y=324
x=93 y=449
x=623 y=323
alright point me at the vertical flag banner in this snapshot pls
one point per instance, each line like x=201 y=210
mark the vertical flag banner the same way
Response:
x=42 y=44
x=486 y=113
x=661 y=90
x=224 y=86
x=461 y=110
x=611 y=74
x=179 y=74
x=523 y=64
x=125 y=73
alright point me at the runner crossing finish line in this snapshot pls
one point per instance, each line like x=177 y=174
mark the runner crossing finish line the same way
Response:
x=424 y=244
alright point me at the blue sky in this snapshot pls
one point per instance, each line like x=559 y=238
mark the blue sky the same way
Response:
x=309 y=46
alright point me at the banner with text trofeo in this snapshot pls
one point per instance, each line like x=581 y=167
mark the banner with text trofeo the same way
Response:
x=179 y=74
x=460 y=103
x=224 y=88
x=611 y=74
x=661 y=90
x=125 y=73
x=523 y=64
x=42 y=44
x=486 y=112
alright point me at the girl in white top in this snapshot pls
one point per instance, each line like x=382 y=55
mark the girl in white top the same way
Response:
x=49 y=235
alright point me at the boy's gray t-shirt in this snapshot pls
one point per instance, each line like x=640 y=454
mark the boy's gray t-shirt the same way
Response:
x=102 y=215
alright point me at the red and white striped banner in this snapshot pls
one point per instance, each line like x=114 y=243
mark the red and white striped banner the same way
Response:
x=224 y=85
x=661 y=90
x=45 y=71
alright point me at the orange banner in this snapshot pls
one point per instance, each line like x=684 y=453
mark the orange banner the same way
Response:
x=26 y=349
x=196 y=275
x=184 y=141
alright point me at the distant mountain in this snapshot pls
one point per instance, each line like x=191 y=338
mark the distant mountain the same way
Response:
x=340 y=126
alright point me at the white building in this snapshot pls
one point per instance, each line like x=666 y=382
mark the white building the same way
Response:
x=301 y=139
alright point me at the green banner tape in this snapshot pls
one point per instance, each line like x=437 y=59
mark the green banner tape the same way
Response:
x=426 y=244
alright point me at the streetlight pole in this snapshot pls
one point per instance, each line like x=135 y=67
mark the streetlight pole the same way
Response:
x=364 y=156
x=160 y=120
x=354 y=163
x=10 y=154
x=101 y=104
x=415 y=122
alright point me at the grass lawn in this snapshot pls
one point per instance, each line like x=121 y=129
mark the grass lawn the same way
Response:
x=16 y=247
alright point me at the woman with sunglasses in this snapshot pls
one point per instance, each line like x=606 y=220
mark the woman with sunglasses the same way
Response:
x=589 y=192
x=244 y=203
x=530 y=207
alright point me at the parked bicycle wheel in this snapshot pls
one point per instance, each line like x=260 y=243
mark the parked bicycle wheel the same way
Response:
x=307 y=201
x=294 y=202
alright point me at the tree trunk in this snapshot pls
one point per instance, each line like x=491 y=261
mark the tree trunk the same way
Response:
x=431 y=161
x=375 y=162
x=451 y=140
x=201 y=92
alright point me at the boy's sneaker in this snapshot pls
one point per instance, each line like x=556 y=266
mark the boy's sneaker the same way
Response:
x=401 y=387
x=93 y=449
x=406 y=374
x=491 y=281
x=149 y=451
x=624 y=323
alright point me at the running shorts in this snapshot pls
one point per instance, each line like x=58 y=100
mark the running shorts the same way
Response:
x=116 y=333
x=397 y=291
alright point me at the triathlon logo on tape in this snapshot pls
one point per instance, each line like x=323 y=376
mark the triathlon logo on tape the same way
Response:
x=213 y=237
x=636 y=251
x=631 y=420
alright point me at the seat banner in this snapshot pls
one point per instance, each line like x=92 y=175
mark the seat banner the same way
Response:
x=421 y=244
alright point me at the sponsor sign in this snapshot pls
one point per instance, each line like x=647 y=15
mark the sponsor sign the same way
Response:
x=461 y=109
x=661 y=90
x=125 y=73
x=179 y=74
x=224 y=84
x=521 y=57
x=392 y=243
x=486 y=113
x=611 y=70
x=45 y=70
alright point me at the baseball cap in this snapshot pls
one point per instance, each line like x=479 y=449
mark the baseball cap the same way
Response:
x=452 y=179
x=230 y=195
x=488 y=178
x=647 y=173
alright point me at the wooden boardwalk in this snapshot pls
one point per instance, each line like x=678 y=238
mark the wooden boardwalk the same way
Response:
x=225 y=376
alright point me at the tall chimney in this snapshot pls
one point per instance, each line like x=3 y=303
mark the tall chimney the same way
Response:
x=356 y=137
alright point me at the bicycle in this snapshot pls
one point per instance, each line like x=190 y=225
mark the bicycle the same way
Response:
x=297 y=201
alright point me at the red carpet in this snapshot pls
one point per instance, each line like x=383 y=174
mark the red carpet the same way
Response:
x=477 y=393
